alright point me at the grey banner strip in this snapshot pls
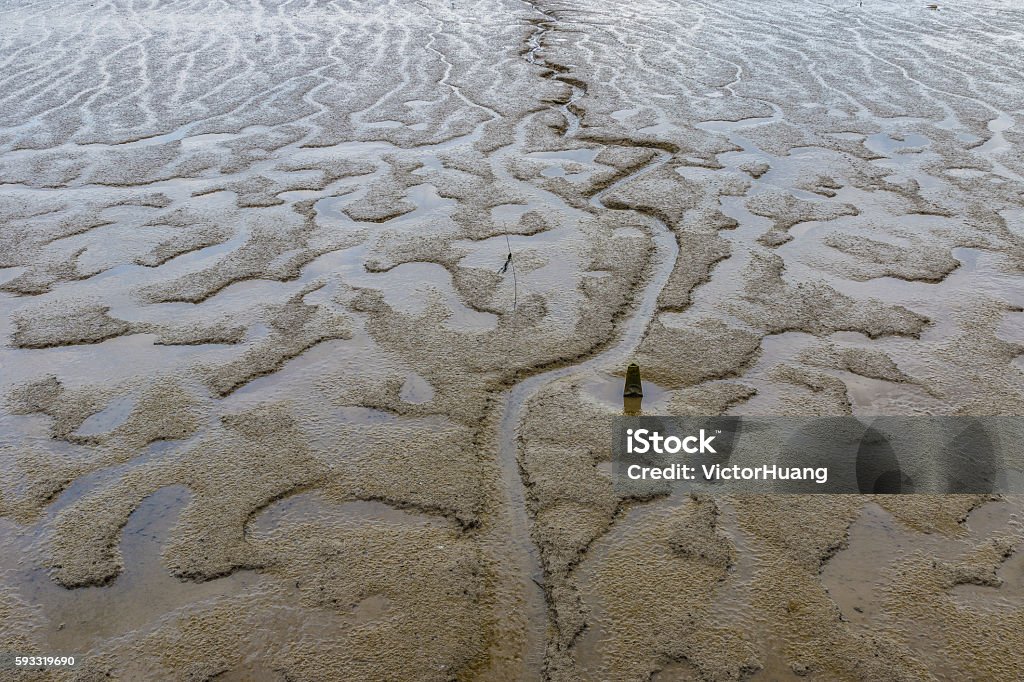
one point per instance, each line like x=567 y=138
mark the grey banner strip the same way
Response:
x=832 y=455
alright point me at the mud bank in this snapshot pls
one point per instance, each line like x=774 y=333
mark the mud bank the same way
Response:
x=273 y=404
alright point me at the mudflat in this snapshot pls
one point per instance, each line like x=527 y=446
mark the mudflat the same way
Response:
x=275 y=405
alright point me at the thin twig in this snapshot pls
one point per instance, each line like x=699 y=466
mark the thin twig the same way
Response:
x=515 y=281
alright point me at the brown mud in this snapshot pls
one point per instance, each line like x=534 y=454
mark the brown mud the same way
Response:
x=271 y=410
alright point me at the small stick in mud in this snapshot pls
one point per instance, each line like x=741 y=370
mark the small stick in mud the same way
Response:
x=515 y=282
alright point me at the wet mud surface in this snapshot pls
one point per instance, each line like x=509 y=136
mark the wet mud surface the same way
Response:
x=273 y=408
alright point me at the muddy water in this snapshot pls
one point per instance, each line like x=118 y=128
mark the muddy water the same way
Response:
x=74 y=621
x=860 y=578
x=449 y=152
x=515 y=402
x=407 y=288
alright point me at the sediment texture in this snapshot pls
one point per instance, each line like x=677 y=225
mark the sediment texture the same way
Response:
x=271 y=398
